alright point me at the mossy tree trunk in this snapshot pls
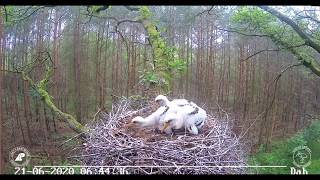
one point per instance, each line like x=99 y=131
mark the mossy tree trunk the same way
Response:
x=40 y=88
x=164 y=56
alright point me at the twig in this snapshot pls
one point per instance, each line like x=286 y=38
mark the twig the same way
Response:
x=264 y=50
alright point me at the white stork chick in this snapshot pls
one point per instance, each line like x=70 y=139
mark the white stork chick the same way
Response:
x=172 y=121
x=150 y=121
x=192 y=118
x=163 y=101
x=175 y=103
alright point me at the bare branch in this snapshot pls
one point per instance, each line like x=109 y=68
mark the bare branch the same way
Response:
x=10 y=71
x=205 y=11
x=256 y=53
x=116 y=27
x=265 y=111
x=241 y=33
x=310 y=17
x=30 y=14
x=132 y=8
x=137 y=42
x=276 y=79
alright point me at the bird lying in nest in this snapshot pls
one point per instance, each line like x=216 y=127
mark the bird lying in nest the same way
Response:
x=178 y=114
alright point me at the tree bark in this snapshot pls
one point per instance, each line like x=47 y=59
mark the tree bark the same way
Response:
x=1 y=94
x=77 y=72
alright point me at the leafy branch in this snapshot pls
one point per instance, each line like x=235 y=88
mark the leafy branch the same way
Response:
x=165 y=62
x=308 y=41
x=264 y=21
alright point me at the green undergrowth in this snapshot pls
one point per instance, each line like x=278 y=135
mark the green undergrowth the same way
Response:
x=282 y=153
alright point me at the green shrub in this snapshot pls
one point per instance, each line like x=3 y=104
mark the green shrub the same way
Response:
x=281 y=152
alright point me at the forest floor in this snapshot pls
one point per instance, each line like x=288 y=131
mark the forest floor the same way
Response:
x=52 y=151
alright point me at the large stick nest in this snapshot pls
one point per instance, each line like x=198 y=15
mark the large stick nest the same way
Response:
x=215 y=150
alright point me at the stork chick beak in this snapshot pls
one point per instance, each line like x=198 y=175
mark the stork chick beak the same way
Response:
x=166 y=124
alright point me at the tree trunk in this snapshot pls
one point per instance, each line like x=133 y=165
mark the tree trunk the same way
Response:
x=77 y=67
x=1 y=95
x=104 y=82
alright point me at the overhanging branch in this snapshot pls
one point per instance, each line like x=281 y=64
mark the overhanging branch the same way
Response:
x=294 y=26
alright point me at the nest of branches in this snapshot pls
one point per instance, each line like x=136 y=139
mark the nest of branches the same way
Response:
x=215 y=150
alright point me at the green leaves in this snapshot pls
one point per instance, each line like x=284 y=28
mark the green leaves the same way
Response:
x=253 y=14
x=312 y=136
x=7 y=14
x=286 y=33
x=174 y=64
x=177 y=65
x=313 y=133
x=253 y=19
x=97 y=9
x=281 y=153
x=94 y=8
x=144 y=12
x=165 y=57
x=149 y=77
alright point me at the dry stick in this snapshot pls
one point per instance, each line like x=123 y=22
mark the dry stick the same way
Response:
x=77 y=135
x=94 y=116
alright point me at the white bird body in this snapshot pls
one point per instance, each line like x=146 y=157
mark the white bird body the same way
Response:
x=184 y=119
x=173 y=115
x=163 y=100
x=151 y=120
x=189 y=117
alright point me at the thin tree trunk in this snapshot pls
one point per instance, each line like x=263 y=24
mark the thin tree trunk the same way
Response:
x=104 y=84
x=77 y=67
x=46 y=120
x=27 y=112
x=187 y=58
x=1 y=95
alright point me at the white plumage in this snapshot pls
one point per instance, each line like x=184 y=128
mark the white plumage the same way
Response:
x=187 y=117
x=159 y=115
x=182 y=114
x=175 y=114
x=150 y=121
x=163 y=101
